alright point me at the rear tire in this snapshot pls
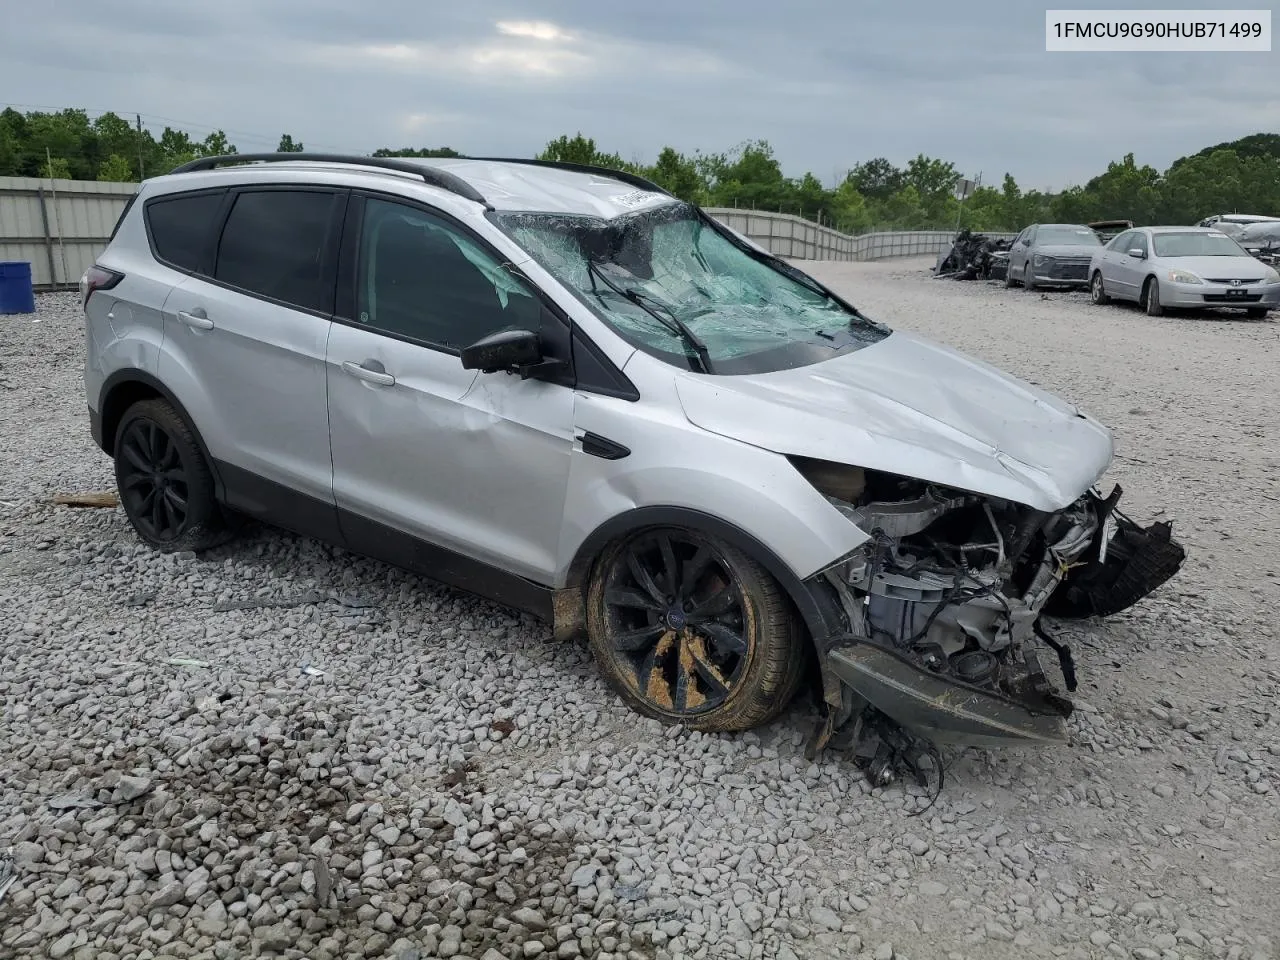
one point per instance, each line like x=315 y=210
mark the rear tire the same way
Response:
x=1097 y=290
x=165 y=484
x=689 y=630
x=1151 y=298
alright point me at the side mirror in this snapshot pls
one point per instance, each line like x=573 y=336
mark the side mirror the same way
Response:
x=509 y=350
x=1137 y=252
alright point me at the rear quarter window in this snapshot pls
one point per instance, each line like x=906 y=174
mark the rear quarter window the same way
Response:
x=180 y=228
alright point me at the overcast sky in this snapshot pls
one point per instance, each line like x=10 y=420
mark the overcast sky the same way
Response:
x=827 y=82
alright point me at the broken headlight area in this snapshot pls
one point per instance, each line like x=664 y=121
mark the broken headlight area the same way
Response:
x=943 y=605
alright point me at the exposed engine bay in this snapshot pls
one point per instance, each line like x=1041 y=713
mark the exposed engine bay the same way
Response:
x=944 y=607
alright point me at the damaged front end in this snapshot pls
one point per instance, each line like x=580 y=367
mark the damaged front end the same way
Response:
x=942 y=607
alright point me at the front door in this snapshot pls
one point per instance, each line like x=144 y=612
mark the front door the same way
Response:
x=1131 y=272
x=425 y=452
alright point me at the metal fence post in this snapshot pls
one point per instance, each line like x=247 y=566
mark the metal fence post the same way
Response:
x=48 y=237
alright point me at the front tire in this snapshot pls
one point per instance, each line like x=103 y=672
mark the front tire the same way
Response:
x=1257 y=313
x=1028 y=278
x=165 y=484
x=689 y=630
x=1151 y=298
x=1097 y=291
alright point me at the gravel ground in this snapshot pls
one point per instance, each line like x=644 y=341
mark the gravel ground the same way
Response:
x=456 y=784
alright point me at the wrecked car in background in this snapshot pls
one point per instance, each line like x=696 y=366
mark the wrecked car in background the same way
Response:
x=973 y=256
x=617 y=415
x=1108 y=230
x=1052 y=255
x=1262 y=241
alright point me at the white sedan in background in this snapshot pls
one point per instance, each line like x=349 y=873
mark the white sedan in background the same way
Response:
x=1182 y=268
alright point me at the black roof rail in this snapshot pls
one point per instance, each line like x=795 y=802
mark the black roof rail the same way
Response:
x=431 y=175
x=633 y=179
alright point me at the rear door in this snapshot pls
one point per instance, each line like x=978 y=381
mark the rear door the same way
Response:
x=245 y=337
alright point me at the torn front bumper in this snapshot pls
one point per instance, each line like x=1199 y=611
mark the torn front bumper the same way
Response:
x=929 y=697
x=945 y=710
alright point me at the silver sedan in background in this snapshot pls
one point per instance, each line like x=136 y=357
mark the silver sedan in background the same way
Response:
x=1184 y=268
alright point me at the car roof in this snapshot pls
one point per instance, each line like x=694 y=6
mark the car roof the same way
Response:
x=1177 y=229
x=502 y=184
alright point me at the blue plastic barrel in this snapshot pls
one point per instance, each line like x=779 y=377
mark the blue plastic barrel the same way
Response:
x=16 y=293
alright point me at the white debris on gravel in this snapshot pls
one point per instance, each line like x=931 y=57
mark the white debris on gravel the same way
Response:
x=446 y=781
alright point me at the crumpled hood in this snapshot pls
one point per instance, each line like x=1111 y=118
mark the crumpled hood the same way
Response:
x=911 y=407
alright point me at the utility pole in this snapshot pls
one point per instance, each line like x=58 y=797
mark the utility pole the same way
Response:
x=142 y=174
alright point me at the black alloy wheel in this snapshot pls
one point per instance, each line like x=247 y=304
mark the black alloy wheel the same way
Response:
x=690 y=630
x=153 y=481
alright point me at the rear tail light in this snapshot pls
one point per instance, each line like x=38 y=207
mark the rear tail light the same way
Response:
x=97 y=278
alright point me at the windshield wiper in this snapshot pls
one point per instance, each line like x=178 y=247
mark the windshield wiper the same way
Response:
x=667 y=318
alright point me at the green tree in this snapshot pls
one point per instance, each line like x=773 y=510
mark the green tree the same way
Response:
x=876 y=179
x=215 y=145
x=580 y=149
x=287 y=145
x=416 y=152
x=678 y=174
x=116 y=169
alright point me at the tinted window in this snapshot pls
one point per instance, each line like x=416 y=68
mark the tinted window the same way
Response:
x=179 y=228
x=275 y=244
x=1121 y=242
x=423 y=278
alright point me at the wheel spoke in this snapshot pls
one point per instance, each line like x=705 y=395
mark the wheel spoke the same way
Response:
x=133 y=452
x=168 y=460
x=715 y=681
x=172 y=520
x=624 y=597
x=669 y=569
x=643 y=578
x=135 y=480
x=693 y=570
x=148 y=433
x=157 y=512
x=718 y=604
x=177 y=500
x=684 y=683
x=147 y=502
x=651 y=674
x=633 y=641
x=725 y=639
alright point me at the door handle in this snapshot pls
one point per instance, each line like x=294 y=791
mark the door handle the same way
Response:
x=367 y=375
x=191 y=320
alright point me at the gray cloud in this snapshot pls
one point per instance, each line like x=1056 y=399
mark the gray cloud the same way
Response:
x=827 y=84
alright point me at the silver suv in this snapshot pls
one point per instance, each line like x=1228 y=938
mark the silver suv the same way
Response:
x=564 y=389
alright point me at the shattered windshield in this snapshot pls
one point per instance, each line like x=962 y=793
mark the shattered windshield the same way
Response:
x=1196 y=245
x=1076 y=236
x=674 y=286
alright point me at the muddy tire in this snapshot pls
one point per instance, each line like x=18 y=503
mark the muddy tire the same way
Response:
x=1256 y=313
x=689 y=630
x=1028 y=278
x=1151 y=298
x=1097 y=291
x=165 y=484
